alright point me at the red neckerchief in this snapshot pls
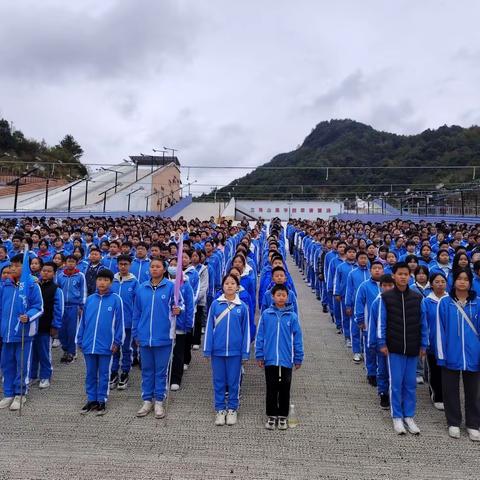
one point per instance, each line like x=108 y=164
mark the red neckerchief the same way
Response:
x=68 y=274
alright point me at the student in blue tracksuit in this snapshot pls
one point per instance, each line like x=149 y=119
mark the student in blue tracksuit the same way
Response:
x=153 y=328
x=125 y=285
x=48 y=325
x=443 y=266
x=402 y=336
x=110 y=261
x=278 y=278
x=227 y=344
x=194 y=279
x=278 y=347
x=100 y=335
x=141 y=263
x=74 y=287
x=184 y=325
x=367 y=292
x=340 y=289
x=332 y=269
x=16 y=315
x=458 y=353
x=355 y=278
x=433 y=373
x=386 y=283
x=421 y=284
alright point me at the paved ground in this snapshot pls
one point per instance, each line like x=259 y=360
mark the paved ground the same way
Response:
x=342 y=433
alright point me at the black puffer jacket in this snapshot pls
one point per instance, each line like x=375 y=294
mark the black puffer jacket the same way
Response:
x=403 y=321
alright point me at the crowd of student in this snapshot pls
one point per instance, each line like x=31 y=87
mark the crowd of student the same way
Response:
x=405 y=298
x=109 y=288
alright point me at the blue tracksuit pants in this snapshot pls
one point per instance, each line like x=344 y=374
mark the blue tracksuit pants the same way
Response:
x=337 y=312
x=42 y=357
x=68 y=331
x=355 y=337
x=370 y=355
x=127 y=350
x=382 y=374
x=345 y=319
x=11 y=356
x=403 y=385
x=226 y=372
x=97 y=376
x=155 y=372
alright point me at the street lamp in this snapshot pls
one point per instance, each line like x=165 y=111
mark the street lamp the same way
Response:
x=173 y=150
x=130 y=194
x=16 y=181
x=116 y=172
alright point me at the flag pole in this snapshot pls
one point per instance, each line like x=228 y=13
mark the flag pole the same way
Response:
x=23 y=287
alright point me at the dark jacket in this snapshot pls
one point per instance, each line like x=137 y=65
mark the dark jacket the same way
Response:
x=53 y=307
x=91 y=277
x=403 y=321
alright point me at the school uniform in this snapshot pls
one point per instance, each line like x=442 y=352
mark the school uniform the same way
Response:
x=355 y=278
x=53 y=306
x=279 y=344
x=11 y=307
x=458 y=353
x=194 y=280
x=100 y=327
x=141 y=269
x=126 y=288
x=74 y=290
x=200 y=313
x=91 y=276
x=153 y=326
x=404 y=331
x=227 y=343
x=340 y=289
x=267 y=301
x=110 y=262
x=433 y=372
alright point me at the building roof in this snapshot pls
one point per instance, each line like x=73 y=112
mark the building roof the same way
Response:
x=158 y=160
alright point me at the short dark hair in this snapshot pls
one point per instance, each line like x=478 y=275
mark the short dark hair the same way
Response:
x=400 y=265
x=376 y=262
x=279 y=288
x=124 y=258
x=51 y=264
x=387 y=278
x=278 y=269
x=18 y=258
x=105 y=273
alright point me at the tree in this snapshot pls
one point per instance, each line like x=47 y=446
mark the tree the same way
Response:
x=71 y=146
x=7 y=141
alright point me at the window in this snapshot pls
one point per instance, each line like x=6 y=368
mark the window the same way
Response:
x=310 y=210
x=329 y=210
x=294 y=210
x=252 y=210
x=319 y=210
x=302 y=210
x=269 y=210
x=277 y=210
x=285 y=210
x=260 y=209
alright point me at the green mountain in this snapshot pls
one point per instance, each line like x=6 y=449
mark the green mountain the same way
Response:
x=18 y=153
x=346 y=143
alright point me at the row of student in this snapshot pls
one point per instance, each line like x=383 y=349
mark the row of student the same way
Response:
x=351 y=289
x=102 y=339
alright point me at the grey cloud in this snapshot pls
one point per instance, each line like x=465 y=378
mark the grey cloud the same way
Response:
x=128 y=38
x=399 y=117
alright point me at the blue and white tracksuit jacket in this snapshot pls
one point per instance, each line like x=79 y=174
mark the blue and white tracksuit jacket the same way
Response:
x=382 y=367
x=340 y=288
x=141 y=269
x=279 y=338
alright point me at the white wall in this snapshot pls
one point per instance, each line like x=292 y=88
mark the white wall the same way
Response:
x=309 y=210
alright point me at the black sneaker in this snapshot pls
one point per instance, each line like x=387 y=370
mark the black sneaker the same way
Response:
x=89 y=407
x=339 y=331
x=113 y=379
x=123 y=382
x=69 y=359
x=135 y=362
x=372 y=380
x=384 y=401
x=64 y=358
x=325 y=309
x=101 y=409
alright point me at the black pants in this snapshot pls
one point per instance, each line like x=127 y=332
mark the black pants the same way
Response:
x=197 y=326
x=278 y=381
x=433 y=374
x=187 y=351
x=177 y=362
x=451 y=397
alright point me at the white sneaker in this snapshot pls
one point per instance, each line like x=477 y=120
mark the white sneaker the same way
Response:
x=357 y=357
x=145 y=409
x=454 y=432
x=282 y=423
x=473 y=434
x=439 y=405
x=6 y=402
x=398 y=426
x=174 y=387
x=16 y=402
x=159 y=410
x=411 y=425
x=195 y=347
x=55 y=343
x=220 y=418
x=420 y=380
x=348 y=343
x=231 y=417
x=185 y=367
x=45 y=383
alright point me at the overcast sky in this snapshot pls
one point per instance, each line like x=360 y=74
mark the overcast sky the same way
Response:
x=233 y=82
